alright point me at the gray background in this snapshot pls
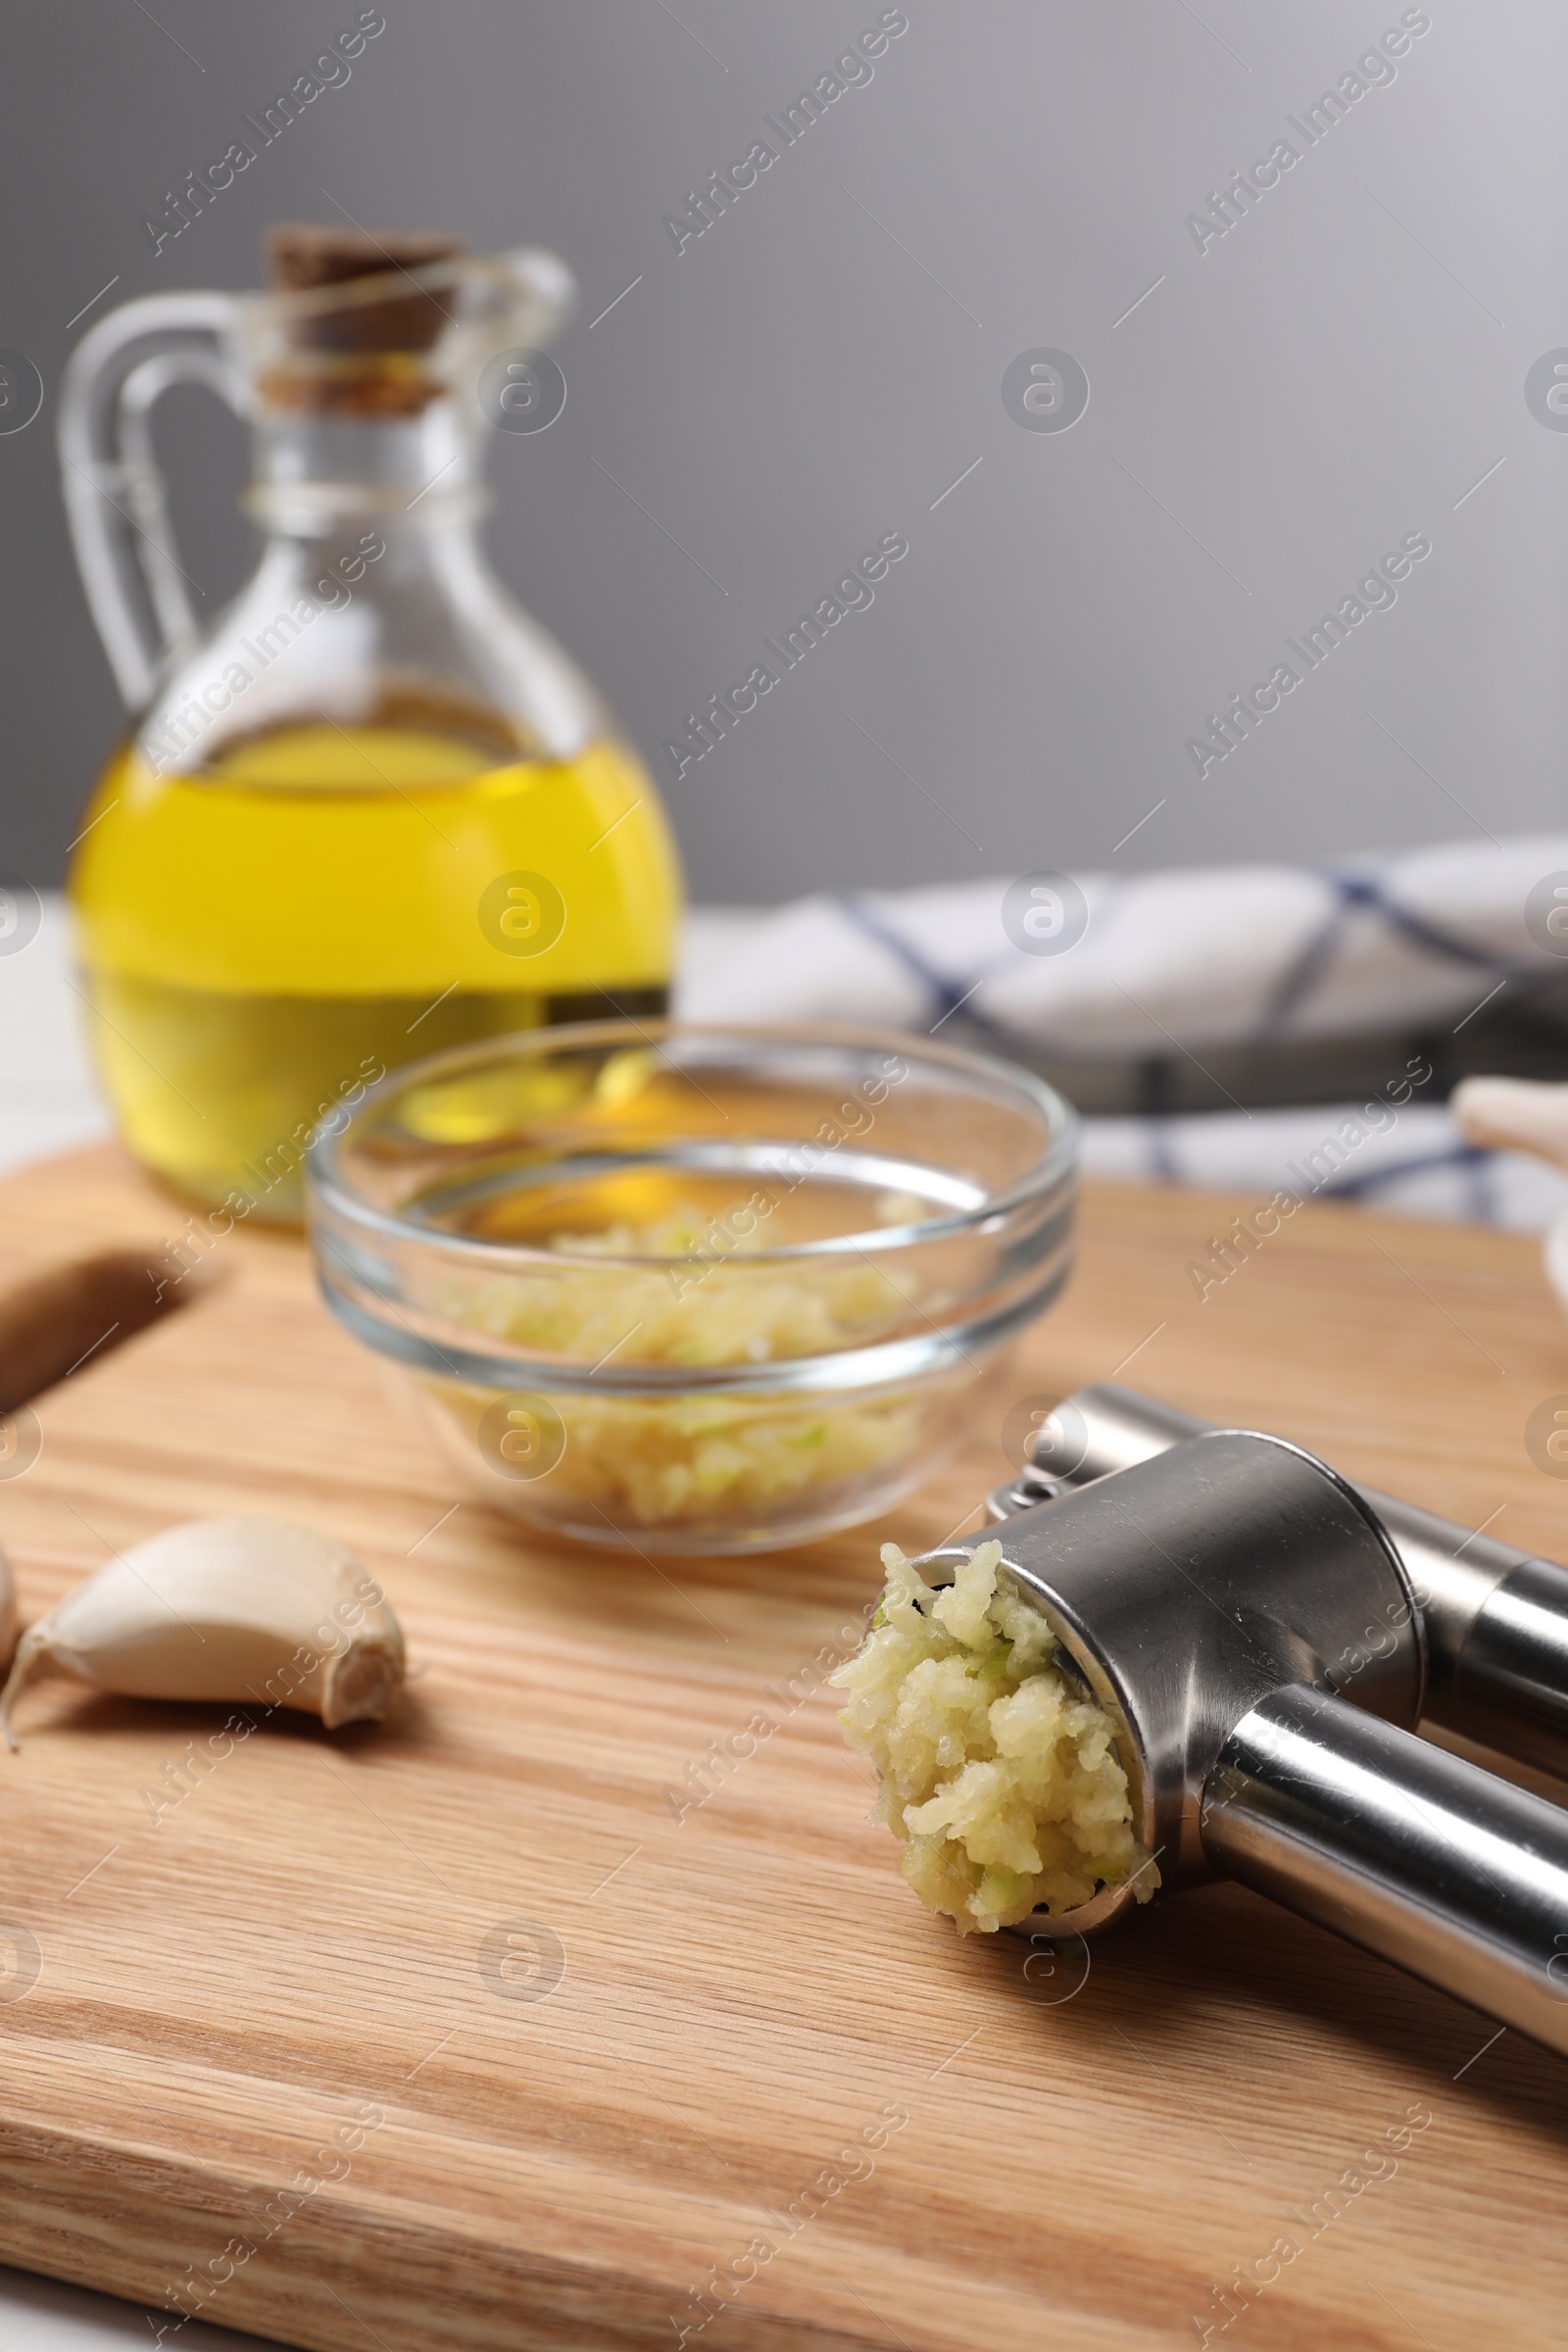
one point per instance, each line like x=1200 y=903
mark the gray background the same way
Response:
x=1338 y=370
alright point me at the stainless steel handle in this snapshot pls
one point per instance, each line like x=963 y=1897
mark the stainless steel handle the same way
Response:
x=1508 y=1686
x=1405 y=1849
x=1495 y=1618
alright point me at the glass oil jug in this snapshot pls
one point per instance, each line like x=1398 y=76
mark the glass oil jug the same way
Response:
x=369 y=809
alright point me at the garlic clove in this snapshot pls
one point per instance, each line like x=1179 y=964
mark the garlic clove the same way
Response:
x=239 y=1609
x=1515 y=1114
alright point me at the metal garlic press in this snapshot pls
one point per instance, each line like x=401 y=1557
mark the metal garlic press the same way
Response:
x=1496 y=1619
x=1254 y=1631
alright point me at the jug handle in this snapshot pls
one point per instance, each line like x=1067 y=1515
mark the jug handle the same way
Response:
x=115 y=495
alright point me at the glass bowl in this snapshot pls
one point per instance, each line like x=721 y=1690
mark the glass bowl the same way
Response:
x=691 y=1289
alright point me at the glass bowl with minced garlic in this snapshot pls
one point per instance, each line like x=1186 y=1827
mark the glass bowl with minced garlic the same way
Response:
x=675 y=1288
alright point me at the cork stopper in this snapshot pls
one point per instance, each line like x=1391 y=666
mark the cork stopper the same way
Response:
x=362 y=355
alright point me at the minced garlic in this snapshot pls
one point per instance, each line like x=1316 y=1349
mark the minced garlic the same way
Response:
x=695 y=1460
x=700 y=1307
x=696 y=1457
x=998 y=1775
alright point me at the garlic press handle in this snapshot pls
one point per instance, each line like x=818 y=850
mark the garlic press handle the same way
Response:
x=1401 y=1848
x=1495 y=1618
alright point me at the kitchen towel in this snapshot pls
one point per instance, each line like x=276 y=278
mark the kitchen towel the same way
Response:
x=1105 y=966
x=1097 y=969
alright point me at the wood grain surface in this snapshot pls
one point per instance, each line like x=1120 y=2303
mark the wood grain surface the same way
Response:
x=280 y=2040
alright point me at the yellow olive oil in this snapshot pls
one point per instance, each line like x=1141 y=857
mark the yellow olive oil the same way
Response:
x=262 y=938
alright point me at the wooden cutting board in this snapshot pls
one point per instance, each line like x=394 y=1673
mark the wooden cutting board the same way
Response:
x=282 y=2033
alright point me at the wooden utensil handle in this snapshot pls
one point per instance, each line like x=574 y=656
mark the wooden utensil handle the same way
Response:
x=76 y=1312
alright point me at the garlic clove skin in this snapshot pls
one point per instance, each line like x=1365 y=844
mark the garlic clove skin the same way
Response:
x=1515 y=1114
x=246 y=1610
